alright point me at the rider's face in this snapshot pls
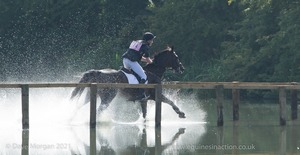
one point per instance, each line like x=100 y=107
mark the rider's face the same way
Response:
x=150 y=42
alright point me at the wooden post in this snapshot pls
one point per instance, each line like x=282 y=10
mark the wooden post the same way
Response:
x=235 y=104
x=235 y=137
x=93 y=141
x=220 y=140
x=93 y=104
x=294 y=104
x=158 y=147
x=282 y=106
x=25 y=106
x=220 y=98
x=294 y=145
x=282 y=140
x=158 y=98
x=25 y=142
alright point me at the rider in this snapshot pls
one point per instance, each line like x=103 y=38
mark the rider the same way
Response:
x=139 y=51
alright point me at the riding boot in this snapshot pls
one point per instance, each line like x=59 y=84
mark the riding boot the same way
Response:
x=142 y=96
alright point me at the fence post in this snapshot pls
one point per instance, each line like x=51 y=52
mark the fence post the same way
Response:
x=282 y=106
x=283 y=140
x=93 y=104
x=158 y=147
x=25 y=142
x=93 y=141
x=220 y=140
x=158 y=98
x=25 y=106
x=220 y=98
x=294 y=104
x=235 y=104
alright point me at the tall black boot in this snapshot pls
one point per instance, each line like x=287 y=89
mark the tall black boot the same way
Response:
x=142 y=96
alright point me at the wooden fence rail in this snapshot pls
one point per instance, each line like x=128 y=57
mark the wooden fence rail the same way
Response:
x=218 y=86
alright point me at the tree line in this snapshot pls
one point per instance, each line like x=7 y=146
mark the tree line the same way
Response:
x=228 y=40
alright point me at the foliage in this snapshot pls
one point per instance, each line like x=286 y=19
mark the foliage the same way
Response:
x=216 y=40
x=51 y=38
x=197 y=28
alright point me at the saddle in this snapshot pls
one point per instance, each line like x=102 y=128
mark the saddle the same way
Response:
x=129 y=71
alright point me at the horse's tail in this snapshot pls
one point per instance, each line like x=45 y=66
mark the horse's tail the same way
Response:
x=87 y=77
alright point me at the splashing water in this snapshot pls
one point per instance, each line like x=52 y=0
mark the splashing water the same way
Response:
x=52 y=105
x=54 y=120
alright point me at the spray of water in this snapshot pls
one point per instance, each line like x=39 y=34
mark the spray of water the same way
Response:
x=54 y=119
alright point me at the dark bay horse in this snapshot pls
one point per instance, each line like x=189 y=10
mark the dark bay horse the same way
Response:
x=161 y=62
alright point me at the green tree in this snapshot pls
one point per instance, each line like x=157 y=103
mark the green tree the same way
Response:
x=52 y=38
x=286 y=43
x=197 y=28
x=243 y=57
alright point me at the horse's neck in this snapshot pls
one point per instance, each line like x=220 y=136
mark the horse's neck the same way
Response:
x=158 y=71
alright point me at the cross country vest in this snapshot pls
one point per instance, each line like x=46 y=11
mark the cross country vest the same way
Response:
x=136 y=50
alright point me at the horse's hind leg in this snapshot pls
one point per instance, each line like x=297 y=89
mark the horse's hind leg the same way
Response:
x=144 y=108
x=171 y=103
x=106 y=95
x=87 y=98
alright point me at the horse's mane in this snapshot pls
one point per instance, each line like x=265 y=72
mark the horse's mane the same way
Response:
x=160 y=53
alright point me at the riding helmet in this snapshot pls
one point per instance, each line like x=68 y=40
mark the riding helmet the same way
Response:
x=148 y=36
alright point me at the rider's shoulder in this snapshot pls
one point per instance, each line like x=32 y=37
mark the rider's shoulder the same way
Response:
x=144 y=44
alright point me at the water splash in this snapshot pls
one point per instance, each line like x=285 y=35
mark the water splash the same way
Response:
x=52 y=105
x=52 y=122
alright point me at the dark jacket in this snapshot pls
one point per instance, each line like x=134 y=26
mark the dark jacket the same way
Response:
x=134 y=55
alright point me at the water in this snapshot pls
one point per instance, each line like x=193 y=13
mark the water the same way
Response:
x=58 y=126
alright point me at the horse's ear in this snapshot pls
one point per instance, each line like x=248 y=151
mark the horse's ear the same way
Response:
x=168 y=48
x=172 y=48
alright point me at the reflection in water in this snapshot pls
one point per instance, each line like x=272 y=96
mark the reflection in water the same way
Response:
x=295 y=138
x=235 y=137
x=148 y=140
x=142 y=146
x=282 y=140
x=25 y=142
x=220 y=140
x=143 y=139
x=121 y=141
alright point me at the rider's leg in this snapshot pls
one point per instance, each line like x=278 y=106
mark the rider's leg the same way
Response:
x=142 y=94
x=126 y=63
x=137 y=68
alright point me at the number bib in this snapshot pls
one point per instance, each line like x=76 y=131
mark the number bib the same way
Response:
x=135 y=45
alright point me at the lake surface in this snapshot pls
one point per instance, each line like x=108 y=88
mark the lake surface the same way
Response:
x=59 y=126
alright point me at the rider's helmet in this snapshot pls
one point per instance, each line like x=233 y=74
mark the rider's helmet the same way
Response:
x=148 y=36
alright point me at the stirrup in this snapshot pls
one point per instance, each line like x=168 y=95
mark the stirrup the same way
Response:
x=142 y=97
x=145 y=98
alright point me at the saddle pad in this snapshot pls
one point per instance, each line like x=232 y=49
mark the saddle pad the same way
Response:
x=131 y=78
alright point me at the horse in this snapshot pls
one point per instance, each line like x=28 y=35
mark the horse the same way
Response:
x=167 y=59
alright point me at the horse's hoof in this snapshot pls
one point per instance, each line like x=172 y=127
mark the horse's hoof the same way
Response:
x=181 y=130
x=182 y=115
x=99 y=112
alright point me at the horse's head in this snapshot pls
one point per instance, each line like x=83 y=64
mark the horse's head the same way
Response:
x=169 y=59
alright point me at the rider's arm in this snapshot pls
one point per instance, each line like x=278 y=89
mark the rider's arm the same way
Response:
x=147 y=60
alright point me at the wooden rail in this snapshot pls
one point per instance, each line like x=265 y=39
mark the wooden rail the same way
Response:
x=218 y=86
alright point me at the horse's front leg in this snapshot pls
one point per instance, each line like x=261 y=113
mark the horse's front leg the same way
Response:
x=171 y=103
x=144 y=108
